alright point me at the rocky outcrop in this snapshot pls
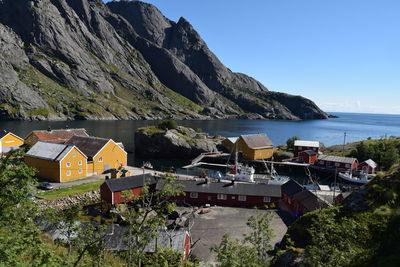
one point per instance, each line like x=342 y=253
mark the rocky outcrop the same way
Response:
x=180 y=143
x=63 y=203
x=81 y=59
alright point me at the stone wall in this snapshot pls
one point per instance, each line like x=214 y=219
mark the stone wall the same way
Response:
x=83 y=199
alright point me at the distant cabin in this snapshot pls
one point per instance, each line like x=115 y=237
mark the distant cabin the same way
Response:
x=103 y=154
x=341 y=163
x=301 y=145
x=121 y=190
x=229 y=143
x=368 y=166
x=59 y=136
x=57 y=162
x=308 y=156
x=255 y=146
x=9 y=141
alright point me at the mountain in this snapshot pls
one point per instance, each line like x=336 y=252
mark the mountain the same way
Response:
x=83 y=59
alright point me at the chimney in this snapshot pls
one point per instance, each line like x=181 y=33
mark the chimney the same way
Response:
x=107 y=177
x=206 y=180
x=49 y=129
x=233 y=182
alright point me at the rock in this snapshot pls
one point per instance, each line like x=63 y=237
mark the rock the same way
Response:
x=121 y=60
x=181 y=143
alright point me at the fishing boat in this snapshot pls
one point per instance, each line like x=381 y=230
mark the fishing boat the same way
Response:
x=240 y=173
x=348 y=177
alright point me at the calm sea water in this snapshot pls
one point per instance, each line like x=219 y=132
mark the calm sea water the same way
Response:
x=330 y=132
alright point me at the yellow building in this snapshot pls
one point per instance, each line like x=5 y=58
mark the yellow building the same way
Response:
x=255 y=146
x=57 y=162
x=9 y=141
x=229 y=143
x=103 y=154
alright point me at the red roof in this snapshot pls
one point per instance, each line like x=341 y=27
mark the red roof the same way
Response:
x=59 y=136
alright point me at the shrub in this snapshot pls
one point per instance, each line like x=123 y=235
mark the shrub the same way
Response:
x=168 y=125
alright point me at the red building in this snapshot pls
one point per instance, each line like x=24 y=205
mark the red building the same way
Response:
x=308 y=156
x=200 y=192
x=301 y=145
x=289 y=189
x=368 y=166
x=341 y=163
x=121 y=190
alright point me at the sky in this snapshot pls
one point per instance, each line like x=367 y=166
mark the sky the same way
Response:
x=342 y=54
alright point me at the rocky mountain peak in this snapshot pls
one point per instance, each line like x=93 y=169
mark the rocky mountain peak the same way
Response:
x=81 y=59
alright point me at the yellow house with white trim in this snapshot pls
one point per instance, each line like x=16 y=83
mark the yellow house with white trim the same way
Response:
x=57 y=162
x=9 y=141
x=103 y=154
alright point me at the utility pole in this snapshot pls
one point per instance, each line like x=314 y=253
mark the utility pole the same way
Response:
x=344 y=142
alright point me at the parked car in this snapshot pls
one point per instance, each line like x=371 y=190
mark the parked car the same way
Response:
x=30 y=196
x=46 y=186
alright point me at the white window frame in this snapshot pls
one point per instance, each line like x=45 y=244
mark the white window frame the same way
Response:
x=68 y=173
x=221 y=197
x=348 y=165
x=80 y=163
x=267 y=199
x=101 y=159
x=68 y=164
x=74 y=155
x=337 y=164
x=80 y=171
x=322 y=162
x=242 y=198
x=194 y=195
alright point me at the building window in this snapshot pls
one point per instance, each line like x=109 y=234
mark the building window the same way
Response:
x=337 y=164
x=101 y=159
x=80 y=163
x=68 y=173
x=300 y=147
x=242 y=198
x=80 y=171
x=74 y=155
x=68 y=164
x=267 y=199
x=322 y=162
x=348 y=166
x=194 y=195
x=221 y=196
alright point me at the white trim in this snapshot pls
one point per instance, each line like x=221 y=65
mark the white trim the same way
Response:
x=267 y=199
x=221 y=196
x=242 y=198
x=68 y=164
x=194 y=195
x=14 y=136
x=68 y=171
x=73 y=146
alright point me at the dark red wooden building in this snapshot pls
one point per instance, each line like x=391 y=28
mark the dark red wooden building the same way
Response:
x=308 y=156
x=368 y=166
x=341 y=163
x=201 y=192
x=289 y=189
x=113 y=190
x=301 y=145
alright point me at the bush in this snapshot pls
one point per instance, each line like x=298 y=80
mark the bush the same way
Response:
x=168 y=125
x=290 y=142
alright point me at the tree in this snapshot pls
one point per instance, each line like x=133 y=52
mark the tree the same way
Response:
x=253 y=250
x=146 y=215
x=168 y=125
x=290 y=142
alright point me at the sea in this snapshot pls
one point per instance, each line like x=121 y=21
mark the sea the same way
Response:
x=348 y=127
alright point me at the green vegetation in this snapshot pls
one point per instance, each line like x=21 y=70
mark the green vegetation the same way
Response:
x=342 y=237
x=69 y=191
x=168 y=125
x=151 y=130
x=290 y=142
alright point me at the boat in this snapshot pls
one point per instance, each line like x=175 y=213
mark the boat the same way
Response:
x=241 y=174
x=348 y=177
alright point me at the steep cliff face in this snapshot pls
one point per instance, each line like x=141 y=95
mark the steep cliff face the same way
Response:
x=81 y=59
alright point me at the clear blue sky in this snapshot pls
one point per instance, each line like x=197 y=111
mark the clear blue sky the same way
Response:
x=343 y=54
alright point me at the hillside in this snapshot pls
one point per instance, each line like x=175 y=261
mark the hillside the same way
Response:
x=364 y=231
x=81 y=59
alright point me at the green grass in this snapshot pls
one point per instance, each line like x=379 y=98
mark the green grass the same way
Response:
x=69 y=191
x=151 y=130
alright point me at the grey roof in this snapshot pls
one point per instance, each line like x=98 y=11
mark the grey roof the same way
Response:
x=173 y=239
x=89 y=145
x=309 y=152
x=257 y=141
x=337 y=159
x=201 y=186
x=371 y=163
x=310 y=201
x=291 y=188
x=49 y=151
x=130 y=182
